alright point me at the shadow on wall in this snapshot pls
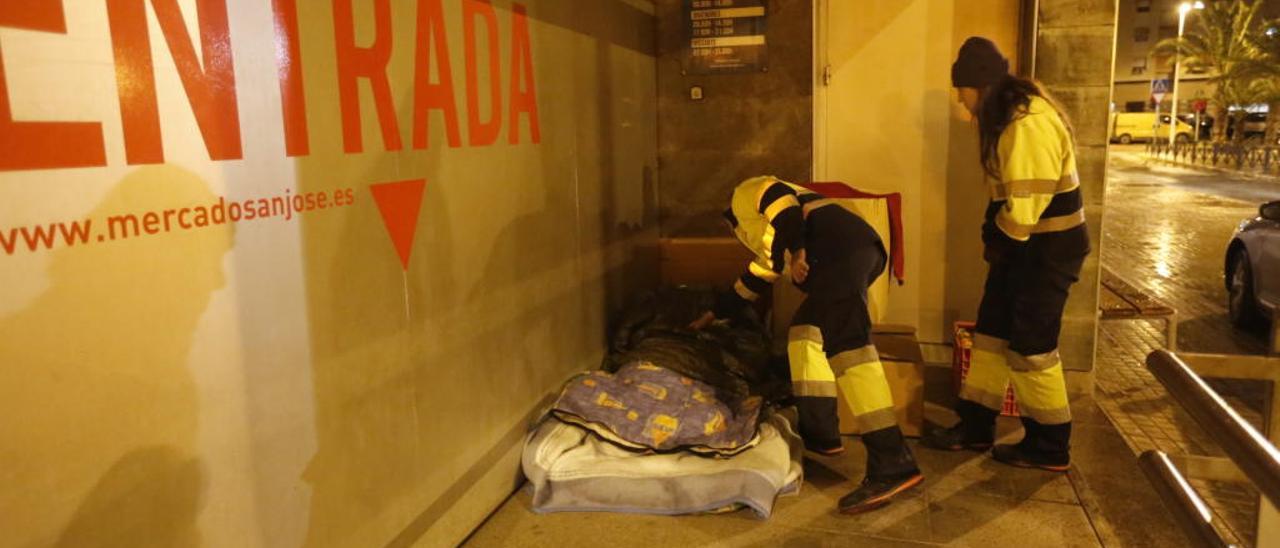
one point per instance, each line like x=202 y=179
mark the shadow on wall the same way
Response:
x=149 y=498
x=421 y=375
x=100 y=408
x=966 y=206
x=365 y=313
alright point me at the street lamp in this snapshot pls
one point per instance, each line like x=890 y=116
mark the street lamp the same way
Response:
x=1183 y=9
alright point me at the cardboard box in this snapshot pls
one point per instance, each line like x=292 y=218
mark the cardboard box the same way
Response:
x=899 y=352
x=714 y=262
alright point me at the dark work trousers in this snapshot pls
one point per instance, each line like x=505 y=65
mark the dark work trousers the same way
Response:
x=1019 y=321
x=829 y=343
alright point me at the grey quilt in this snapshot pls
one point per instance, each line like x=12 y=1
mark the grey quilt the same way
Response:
x=571 y=470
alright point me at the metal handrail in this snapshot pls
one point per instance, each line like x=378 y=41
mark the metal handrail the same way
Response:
x=1250 y=450
x=1189 y=510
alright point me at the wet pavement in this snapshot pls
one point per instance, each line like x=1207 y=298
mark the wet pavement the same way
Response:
x=1166 y=232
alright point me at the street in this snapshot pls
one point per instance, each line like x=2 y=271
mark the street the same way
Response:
x=1166 y=232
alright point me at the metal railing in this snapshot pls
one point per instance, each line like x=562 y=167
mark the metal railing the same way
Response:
x=1251 y=456
x=1253 y=158
x=1189 y=510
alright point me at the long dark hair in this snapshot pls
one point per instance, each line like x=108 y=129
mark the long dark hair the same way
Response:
x=1004 y=102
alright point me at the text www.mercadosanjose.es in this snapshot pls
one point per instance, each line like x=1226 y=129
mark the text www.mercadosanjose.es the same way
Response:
x=131 y=225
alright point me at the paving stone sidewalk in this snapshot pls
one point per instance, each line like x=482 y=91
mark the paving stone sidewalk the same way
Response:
x=1168 y=240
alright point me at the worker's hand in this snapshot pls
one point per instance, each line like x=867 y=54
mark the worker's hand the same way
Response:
x=703 y=321
x=799 y=267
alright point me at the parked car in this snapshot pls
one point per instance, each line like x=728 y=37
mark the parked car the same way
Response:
x=1253 y=268
x=1206 y=124
x=1128 y=127
x=1255 y=126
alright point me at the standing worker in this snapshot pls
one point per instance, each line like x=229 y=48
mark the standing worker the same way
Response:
x=1035 y=242
x=834 y=256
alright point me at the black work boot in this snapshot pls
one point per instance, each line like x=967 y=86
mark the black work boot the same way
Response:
x=1045 y=446
x=887 y=454
x=828 y=449
x=1014 y=454
x=819 y=426
x=891 y=469
x=876 y=492
x=976 y=430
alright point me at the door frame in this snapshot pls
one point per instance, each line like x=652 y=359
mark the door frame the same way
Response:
x=821 y=79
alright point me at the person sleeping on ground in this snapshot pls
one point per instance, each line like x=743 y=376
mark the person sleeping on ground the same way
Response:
x=676 y=378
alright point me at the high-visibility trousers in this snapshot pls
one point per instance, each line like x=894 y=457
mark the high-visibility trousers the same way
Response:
x=1016 y=341
x=829 y=346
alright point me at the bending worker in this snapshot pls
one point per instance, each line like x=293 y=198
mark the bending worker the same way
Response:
x=1035 y=242
x=834 y=256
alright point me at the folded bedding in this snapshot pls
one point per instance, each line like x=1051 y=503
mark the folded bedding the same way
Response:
x=571 y=469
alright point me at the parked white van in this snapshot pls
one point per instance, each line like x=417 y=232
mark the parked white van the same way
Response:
x=1127 y=127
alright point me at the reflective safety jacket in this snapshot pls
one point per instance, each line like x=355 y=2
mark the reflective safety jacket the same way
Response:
x=768 y=217
x=1038 y=193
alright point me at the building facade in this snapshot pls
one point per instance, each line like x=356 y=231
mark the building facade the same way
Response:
x=1141 y=24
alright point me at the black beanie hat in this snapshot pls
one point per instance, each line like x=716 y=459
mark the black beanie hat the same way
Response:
x=978 y=65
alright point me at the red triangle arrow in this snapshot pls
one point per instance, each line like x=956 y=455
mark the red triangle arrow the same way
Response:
x=399 y=203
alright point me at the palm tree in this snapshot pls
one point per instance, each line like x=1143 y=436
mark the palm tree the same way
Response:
x=1216 y=41
x=1264 y=68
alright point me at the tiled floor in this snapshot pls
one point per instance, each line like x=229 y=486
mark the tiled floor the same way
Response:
x=967 y=500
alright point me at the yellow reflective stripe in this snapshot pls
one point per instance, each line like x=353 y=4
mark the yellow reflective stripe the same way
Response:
x=759 y=271
x=809 y=207
x=1026 y=187
x=877 y=420
x=805 y=333
x=821 y=389
x=989 y=343
x=1020 y=231
x=780 y=205
x=745 y=292
x=1038 y=362
x=1043 y=394
x=853 y=358
x=866 y=389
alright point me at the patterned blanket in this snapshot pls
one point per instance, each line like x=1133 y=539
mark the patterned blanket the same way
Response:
x=646 y=407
